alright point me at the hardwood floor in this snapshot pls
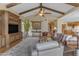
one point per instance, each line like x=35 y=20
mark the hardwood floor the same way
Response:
x=3 y=49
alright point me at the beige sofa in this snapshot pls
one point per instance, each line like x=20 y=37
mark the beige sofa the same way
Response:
x=51 y=48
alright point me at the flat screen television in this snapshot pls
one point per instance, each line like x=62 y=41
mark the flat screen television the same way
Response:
x=12 y=28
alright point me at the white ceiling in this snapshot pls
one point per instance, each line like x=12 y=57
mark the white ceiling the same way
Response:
x=62 y=7
x=59 y=6
x=34 y=12
x=23 y=7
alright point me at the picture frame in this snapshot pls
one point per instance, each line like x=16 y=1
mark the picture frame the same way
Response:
x=36 y=24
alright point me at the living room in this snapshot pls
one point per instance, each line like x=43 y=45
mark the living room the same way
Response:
x=39 y=29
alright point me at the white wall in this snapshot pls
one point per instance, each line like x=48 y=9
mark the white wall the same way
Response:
x=44 y=26
x=2 y=7
x=71 y=17
x=59 y=25
x=44 y=22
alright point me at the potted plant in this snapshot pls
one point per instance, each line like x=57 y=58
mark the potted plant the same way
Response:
x=26 y=26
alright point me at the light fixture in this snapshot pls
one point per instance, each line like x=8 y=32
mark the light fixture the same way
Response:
x=41 y=13
x=54 y=28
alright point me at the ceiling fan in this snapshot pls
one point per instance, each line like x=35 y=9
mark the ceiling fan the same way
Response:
x=42 y=12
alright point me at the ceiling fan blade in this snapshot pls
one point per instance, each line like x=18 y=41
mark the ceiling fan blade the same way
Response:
x=47 y=13
x=43 y=15
x=36 y=14
x=40 y=6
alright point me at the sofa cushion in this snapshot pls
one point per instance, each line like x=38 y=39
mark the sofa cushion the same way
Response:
x=73 y=39
x=68 y=37
x=58 y=37
x=64 y=38
x=46 y=45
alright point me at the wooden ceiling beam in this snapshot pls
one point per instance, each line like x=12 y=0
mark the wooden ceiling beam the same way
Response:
x=29 y=10
x=74 y=4
x=53 y=10
x=41 y=6
x=12 y=4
